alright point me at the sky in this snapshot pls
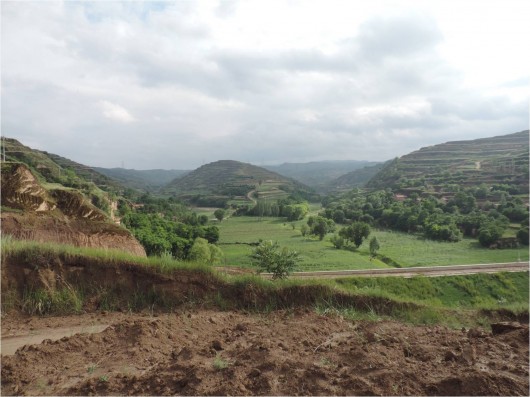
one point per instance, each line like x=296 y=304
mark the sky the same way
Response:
x=176 y=85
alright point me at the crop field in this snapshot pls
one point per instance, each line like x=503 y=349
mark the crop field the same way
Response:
x=405 y=249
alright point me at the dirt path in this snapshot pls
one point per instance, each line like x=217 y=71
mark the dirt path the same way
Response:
x=430 y=271
x=250 y=196
x=11 y=343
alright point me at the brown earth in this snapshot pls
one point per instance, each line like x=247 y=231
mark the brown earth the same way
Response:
x=202 y=352
x=32 y=212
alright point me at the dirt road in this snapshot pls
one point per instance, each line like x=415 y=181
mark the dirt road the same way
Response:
x=428 y=271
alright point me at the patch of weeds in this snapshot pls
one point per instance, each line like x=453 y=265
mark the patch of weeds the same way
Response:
x=219 y=363
x=326 y=362
x=104 y=378
x=92 y=367
x=62 y=301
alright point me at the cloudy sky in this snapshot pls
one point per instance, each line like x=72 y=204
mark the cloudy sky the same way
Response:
x=179 y=84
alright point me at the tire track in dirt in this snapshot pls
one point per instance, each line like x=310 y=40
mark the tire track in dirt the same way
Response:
x=10 y=344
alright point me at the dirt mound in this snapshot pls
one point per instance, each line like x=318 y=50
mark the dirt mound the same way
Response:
x=283 y=353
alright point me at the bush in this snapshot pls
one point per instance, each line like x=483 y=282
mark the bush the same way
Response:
x=489 y=234
x=522 y=235
x=268 y=257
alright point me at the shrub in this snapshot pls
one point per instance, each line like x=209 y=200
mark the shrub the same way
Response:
x=268 y=257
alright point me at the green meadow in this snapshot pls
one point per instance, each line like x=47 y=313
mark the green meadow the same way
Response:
x=404 y=250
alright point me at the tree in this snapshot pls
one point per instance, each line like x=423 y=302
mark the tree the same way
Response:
x=200 y=252
x=320 y=226
x=268 y=257
x=356 y=233
x=374 y=246
x=522 y=235
x=489 y=234
x=337 y=241
x=219 y=214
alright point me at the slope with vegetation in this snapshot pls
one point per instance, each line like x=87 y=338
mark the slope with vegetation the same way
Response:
x=145 y=180
x=441 y=169
x=318 y=174
x=217 y=183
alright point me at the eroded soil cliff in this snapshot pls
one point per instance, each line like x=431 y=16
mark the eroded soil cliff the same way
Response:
x=60 y=215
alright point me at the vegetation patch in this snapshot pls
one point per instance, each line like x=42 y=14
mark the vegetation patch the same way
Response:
x=101 y=280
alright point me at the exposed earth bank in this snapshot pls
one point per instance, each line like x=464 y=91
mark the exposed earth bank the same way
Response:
x=203 y=352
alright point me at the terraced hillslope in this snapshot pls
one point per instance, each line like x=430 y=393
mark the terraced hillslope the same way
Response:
x=54 y=168
x=229 y=179
x=489 y=161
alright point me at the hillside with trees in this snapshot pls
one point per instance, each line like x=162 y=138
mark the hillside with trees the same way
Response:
x=440 y=170
x=217 y=183
x=476 y=189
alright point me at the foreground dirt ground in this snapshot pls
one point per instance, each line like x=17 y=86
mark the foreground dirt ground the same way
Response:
x=202 y=352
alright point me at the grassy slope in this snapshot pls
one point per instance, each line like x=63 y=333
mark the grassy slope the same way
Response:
x=455 y=301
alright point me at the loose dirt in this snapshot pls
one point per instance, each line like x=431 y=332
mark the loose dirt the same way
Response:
x=298 y=352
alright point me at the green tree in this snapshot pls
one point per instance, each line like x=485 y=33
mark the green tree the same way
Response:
x=219 y=214
x=356 y=233
x=489 y=234
x=268 y=257
x=337 y=241
x=200 y=252
x=320 y=226
x=374 y=246
x=522 y=235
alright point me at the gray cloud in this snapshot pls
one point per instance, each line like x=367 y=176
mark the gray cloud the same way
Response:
x=151 y=85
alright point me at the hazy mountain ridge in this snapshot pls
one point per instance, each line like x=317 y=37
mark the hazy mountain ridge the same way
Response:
x=149 y=180
x=318 y=173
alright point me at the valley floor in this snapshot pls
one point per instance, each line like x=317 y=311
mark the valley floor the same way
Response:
x=296 y=352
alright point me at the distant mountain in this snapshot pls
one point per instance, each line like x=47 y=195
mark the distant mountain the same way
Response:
x=148 y=180
x=318 y=173
x=497 y=160
x=353 y=179
x=226 y=180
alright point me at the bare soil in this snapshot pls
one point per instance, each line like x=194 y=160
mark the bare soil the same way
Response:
x=299 y=352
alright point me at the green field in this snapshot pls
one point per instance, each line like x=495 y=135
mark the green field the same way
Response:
x=405 y=249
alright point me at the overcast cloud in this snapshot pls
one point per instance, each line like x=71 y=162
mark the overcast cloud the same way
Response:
x=180 y=84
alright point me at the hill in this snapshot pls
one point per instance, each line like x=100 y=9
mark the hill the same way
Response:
x=226 y=180
x=440 y=168
x=148 y=180
x=357 y=178
x=318 y=173
x=53 y=168
x=32 y=210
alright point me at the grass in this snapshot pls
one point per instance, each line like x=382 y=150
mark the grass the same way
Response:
x=455 y=300
x=219 y=363
x=405 y=250
x=470 y=291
